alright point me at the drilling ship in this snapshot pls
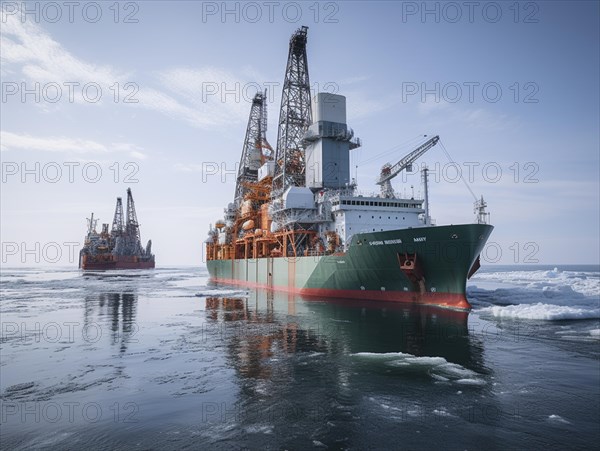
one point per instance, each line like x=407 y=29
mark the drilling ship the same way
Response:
x=121 y=248
x=298 y=223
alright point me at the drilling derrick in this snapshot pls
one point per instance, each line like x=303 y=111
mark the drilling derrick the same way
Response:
x=253 y=155
x=132 y=228
x=294 y=118
x=117 y=225
x=132 y=224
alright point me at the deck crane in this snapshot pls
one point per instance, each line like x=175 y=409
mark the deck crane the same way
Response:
x=388 y=172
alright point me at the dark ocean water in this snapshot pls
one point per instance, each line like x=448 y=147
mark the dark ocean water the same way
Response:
x=161 y=360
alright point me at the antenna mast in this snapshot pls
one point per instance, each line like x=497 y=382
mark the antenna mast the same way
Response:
x=482 y=217
x=425 y=173
x=91 y=224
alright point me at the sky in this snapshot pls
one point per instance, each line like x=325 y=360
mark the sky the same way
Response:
x=98 y=97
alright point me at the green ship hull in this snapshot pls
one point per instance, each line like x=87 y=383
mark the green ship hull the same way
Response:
x=424 y=265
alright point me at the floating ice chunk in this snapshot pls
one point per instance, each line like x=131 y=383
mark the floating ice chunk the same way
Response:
x=442 y=412
x=470 y=382
x=567 y=285
x=558 y=419
x=541 y=311
x=437 y=368
x=260 y=429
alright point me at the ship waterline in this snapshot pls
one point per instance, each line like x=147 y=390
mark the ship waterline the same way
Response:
x=427 y=265
x=115 y=262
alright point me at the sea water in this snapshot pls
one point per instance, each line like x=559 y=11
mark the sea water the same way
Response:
x=162 y=359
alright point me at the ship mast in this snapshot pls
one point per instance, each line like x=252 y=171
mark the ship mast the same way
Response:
x=294 y=118
x=425 y=172
x=92 y=224
x=483 y=216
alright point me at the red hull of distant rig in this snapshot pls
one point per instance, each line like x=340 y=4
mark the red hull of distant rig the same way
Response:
x=123 y=262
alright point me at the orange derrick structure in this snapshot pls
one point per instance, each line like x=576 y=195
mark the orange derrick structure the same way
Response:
x=250 y=235
x=259 y=223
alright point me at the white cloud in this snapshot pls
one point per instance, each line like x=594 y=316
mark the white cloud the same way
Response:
x=181 y=167
x=30 y=53
x=353 y=80
x=45 y=60
x=360 y=105
x=443 y=113
x=204 y=97
x=217 y=96
x=12 y=141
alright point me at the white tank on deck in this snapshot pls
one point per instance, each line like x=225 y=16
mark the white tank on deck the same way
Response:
x=266 y=170
x=246 y=207
x=298 y=197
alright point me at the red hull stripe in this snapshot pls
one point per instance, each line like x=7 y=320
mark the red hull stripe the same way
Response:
x=119 y=265
x=448 y=300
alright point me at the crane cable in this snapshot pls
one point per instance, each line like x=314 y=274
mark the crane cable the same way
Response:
x=406 y=143
x=460 y=171
x=392 y=150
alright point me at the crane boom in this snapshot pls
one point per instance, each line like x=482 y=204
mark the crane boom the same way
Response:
x=388 y=172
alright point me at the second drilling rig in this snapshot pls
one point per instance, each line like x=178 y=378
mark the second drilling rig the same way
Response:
x=121 y=248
